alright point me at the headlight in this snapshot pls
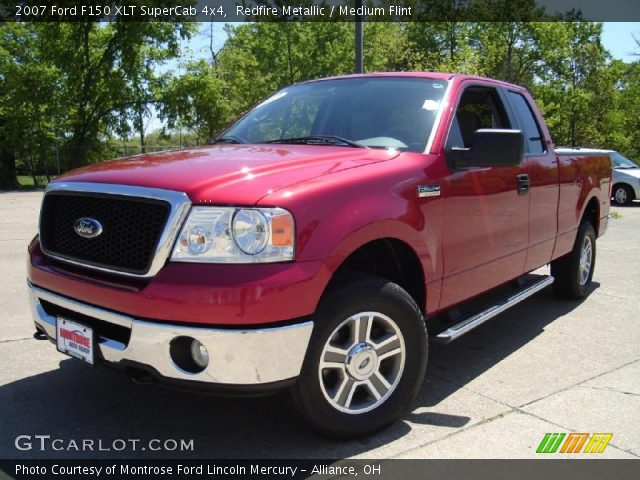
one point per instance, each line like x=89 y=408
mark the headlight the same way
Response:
x=236 y=235
x=250 y=231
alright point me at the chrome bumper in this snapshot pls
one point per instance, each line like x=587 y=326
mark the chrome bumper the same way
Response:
x=236 y=357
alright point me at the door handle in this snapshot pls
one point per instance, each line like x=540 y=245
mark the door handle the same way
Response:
x=523 y=184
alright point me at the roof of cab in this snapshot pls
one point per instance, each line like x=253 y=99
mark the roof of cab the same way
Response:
x=430 y=75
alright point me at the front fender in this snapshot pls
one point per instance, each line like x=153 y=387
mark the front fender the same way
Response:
x=337 y=214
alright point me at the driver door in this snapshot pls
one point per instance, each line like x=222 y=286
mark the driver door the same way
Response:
x=485 y=236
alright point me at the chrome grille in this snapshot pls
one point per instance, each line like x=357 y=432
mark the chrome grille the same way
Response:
x=131 y=229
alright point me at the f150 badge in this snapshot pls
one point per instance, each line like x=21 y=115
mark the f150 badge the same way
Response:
x=87 y=227
x=432 y=190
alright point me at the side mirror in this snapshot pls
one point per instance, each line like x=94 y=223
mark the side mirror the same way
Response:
x=490 y=148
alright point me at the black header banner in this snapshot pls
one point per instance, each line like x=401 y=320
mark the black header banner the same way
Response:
x=586 y=469
x=322 y=10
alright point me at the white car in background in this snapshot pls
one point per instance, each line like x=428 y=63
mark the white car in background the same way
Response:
x=626 y=174
x=626 y=179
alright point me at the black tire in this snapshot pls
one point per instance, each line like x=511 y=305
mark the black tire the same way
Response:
x=362 y=294
x=622 y=194
x=569 y=280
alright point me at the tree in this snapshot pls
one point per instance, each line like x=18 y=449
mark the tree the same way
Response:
x=197 y=100
x=508 y=51
x=75 y=84
x=623 y=133
x=288 y=52
x=29 y=102
x=574 y=88
x=106 y=72
x=440 y=46
x=79 y=85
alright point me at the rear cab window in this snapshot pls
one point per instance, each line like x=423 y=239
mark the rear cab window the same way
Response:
x=534 y=143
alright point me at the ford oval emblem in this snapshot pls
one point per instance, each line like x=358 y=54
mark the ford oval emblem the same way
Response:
x=87 y=227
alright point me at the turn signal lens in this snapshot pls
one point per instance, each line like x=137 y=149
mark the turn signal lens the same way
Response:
x=282 y=230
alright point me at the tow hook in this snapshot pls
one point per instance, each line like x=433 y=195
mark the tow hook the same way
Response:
x=39 y=335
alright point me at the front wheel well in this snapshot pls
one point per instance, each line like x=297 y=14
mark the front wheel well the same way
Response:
x=391 y=259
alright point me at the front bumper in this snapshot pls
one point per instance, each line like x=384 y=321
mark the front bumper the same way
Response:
x=229 y=295
x=250 y=357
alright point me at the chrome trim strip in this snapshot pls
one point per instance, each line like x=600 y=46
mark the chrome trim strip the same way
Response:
x=236 y=357
x=474 y=321
x=180 y=205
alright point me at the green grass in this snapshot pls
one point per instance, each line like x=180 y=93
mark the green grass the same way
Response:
x=616 y=215
x=27 y=181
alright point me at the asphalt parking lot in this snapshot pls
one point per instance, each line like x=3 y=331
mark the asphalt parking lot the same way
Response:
x=547 y=365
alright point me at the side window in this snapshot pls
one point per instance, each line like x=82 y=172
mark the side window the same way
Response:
x=621 y=162
x=534 y=141
x=478 y=108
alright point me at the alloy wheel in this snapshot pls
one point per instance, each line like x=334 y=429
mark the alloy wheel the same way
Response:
x=362 y=362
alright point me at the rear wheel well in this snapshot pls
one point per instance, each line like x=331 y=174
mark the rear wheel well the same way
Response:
x=592 y=214
x=388 y=258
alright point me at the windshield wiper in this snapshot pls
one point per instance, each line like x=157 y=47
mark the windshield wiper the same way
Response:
x=229 y=139
x=319 y=140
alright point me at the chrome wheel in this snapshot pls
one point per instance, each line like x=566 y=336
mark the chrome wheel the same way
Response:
x=362 y=362
x=620 y=196
x=586 y=258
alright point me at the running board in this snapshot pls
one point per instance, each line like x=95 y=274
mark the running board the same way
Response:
x=503 y=304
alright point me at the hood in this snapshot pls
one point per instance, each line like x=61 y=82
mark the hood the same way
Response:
x=632 y=172
x=229 y=174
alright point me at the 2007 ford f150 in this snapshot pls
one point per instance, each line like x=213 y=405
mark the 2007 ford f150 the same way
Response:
x=317 y=241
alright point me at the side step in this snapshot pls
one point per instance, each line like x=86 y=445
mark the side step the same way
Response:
x=491 y=311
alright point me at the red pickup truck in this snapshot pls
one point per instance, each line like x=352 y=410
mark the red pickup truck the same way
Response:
x=315 y=243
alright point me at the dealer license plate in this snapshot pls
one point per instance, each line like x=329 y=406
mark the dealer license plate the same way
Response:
x=74 y=339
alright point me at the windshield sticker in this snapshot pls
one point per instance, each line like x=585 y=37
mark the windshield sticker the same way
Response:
x=430 y=105
x=438 y=85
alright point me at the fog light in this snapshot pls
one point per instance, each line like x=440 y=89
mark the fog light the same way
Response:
x=200 y=354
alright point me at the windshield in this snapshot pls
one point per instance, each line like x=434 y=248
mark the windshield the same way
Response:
x=377 y=112
x=619 y=161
